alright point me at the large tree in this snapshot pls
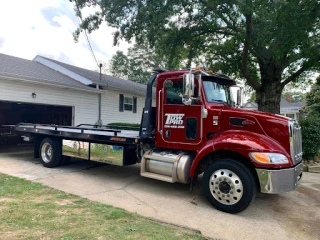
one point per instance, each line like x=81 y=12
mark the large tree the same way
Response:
x=139 y=62
x=269 y=43
x=119 y=65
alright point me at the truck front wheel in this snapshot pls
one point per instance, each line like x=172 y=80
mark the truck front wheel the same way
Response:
x=50 y=152
x=229 y=185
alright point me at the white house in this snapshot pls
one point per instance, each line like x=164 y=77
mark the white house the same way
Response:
x=51 y=92
x=288 y=109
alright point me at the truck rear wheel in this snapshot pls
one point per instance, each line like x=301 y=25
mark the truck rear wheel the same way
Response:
x=229 y=186
x=50 y=152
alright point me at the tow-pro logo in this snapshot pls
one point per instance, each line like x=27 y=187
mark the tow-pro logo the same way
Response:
x=174 y=120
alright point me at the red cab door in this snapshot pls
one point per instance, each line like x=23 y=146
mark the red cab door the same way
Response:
x=180 y=125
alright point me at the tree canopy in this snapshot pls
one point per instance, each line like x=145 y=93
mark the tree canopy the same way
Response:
x=313 y=98
x=268 y=43
x=139 y=63
x=119 y=65
x=295 y=96
x=310 y=126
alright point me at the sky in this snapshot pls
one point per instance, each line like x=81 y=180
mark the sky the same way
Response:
x=45 y=27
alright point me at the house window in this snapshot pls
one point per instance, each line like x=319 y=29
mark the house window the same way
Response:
x=127 y=103
x=290 y=115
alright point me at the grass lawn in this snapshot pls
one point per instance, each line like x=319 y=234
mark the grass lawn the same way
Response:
x=32 y=211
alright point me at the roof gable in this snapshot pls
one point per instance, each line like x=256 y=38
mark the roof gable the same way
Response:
x=50 y=64
x=106 y=80
x=251 y=105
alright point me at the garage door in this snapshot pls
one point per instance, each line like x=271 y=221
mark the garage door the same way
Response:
x=15 y=112
x=12 y=113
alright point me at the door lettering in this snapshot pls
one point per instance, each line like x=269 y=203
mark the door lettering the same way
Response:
x=174 y=120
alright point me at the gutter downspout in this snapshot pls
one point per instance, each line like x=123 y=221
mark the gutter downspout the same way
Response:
x=99 y=109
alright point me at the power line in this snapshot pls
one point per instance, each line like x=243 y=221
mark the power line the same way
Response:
x=86 y=35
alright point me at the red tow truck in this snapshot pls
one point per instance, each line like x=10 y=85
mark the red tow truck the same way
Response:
x=195 y=128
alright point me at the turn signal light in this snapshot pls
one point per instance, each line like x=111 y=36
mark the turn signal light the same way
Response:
x=269 y=158
x=261 y=157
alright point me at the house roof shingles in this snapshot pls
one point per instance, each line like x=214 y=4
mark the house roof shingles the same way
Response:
x=106 y=80
x=283 y=104
x=18 y=67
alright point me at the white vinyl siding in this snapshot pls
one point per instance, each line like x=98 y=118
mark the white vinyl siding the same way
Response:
x=85 y=104
x=110 y=108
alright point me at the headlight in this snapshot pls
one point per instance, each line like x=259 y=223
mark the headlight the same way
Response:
x=269 y=158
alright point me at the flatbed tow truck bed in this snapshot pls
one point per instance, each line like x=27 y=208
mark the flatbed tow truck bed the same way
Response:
x=83 y=132
x=53 y=144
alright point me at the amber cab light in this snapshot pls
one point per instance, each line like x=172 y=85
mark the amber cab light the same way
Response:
x=269 y=158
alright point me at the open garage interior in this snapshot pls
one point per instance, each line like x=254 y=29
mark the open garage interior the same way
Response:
x=12 y=113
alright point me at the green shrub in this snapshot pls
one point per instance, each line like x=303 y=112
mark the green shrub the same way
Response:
x=126 y=126
x=310 y=128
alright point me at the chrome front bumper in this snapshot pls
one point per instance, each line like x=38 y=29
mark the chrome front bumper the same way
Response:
x=277 y=181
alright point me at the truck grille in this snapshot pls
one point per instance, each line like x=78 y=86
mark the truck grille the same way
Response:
x=295 y=142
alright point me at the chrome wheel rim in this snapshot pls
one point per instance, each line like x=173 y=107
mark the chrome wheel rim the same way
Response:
x=226 y=187
x=46 y=152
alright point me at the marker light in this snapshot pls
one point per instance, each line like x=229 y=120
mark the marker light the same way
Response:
x=269 y=158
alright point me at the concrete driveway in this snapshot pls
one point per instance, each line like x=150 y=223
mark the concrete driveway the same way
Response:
x=293 y=215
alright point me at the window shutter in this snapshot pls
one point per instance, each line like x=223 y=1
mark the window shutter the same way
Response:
x=134 y=104
x=121 y=102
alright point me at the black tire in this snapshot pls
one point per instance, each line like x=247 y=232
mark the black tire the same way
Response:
x=50 y=152
x=229 y=185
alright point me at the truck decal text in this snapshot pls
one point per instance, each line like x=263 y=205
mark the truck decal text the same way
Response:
x=174 y=120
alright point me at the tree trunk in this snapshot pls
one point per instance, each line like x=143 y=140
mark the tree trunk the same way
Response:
x=269 y=96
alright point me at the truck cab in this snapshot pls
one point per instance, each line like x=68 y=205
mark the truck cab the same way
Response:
x=197 y=128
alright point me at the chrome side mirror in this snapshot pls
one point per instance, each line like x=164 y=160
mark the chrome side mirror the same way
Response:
x=239 y=97
x=236 y=93
x=188 y=85
x=188 y=88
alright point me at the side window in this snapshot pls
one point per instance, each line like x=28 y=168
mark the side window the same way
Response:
x=191 y=128
x=173 y=92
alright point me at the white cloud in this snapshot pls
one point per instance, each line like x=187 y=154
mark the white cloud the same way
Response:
x=42 y=27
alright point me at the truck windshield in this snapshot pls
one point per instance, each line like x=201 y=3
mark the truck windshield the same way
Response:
x=216 y=92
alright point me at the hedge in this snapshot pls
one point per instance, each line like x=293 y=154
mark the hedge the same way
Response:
x=126 y=126
x=310 y=128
